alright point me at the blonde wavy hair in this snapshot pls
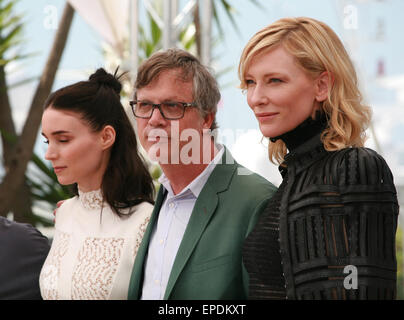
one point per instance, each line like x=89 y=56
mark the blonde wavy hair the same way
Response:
x=316 y=48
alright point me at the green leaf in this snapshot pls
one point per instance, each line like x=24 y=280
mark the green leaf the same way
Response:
x=216 y=19
x=9 y=137
x=40 y=164
x=12 y=34
x=6 y=11
x=155 y=31
x=256 y=3
x=230 y=11
x=4 y=23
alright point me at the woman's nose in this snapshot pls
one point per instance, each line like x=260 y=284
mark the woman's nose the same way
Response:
x=257 y=96
x=51 y=153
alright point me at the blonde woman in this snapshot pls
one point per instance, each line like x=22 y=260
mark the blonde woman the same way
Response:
x=329 y=231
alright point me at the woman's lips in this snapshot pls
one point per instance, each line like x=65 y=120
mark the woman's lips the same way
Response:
x=58 y=169
x=266 y=116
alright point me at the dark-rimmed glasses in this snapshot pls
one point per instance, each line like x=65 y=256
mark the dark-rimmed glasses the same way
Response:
x=169 y=110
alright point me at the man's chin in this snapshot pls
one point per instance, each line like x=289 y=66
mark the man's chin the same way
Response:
x=159 y=152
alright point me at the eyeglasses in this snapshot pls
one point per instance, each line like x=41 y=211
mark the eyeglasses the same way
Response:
x=169 y=110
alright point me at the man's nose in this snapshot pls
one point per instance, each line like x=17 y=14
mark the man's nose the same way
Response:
x=157 y=119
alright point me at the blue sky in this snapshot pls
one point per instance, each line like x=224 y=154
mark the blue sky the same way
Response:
x=391 y=50
x=83 y=49
x=83 y=53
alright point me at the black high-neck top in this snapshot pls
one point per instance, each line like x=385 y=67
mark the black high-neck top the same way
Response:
x=334 y=209
x=261 y=250
x=303 y=132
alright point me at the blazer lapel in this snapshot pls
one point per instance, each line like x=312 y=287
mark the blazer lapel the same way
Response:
x=203 y=210
x=136 y=280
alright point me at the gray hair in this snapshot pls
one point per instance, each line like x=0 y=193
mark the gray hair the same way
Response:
x=205 y=88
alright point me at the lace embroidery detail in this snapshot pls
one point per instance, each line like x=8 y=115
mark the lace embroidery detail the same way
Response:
x=96 y=267
x=91 y=200
x=140 y=234
x=50 y=273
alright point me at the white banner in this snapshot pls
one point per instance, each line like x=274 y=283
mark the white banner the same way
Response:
x=108 y=17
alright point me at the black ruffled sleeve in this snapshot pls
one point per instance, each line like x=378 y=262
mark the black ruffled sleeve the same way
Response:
x=342 y=216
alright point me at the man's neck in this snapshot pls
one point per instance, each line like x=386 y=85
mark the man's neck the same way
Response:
x=180 y=175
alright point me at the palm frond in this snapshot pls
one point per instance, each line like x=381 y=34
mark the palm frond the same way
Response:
x=230 y=11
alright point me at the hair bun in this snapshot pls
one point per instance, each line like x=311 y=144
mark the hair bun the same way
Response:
x=104 y=78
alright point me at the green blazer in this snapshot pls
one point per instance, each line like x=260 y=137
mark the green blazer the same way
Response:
x=208 y=264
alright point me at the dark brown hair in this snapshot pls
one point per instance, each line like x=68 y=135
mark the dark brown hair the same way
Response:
x=126 y=181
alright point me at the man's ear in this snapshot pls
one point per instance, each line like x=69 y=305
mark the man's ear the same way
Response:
x=108 y=135
x=323 y=84
x=208 y=120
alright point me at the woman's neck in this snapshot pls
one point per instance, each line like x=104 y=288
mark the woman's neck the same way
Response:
x=304 y=131
x=84 y=188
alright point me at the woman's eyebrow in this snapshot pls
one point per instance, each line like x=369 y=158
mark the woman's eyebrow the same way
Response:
x=56 y=133
x=269 y=74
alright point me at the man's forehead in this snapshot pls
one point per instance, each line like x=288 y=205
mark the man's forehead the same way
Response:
x=174 y=80
x=177 y=75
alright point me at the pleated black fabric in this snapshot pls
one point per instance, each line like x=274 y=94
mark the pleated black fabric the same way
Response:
x=334 y=215
x=261 y=254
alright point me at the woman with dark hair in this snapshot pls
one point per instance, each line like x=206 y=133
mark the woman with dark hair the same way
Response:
x=92 y=145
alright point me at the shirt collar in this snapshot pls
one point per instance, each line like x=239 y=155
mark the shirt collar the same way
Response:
x=199 y=182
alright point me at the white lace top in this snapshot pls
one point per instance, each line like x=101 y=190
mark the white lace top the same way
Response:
x=93 y=250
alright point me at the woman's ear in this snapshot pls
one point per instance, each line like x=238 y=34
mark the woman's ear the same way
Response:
x=108 y=135
x=323 y=84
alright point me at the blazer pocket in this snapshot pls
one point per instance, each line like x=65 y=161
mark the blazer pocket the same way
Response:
x=212 y=263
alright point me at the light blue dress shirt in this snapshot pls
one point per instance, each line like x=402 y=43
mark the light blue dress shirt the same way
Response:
x=168 y=232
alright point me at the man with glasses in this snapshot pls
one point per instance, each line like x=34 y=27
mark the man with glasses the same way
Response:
x=207 y=203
